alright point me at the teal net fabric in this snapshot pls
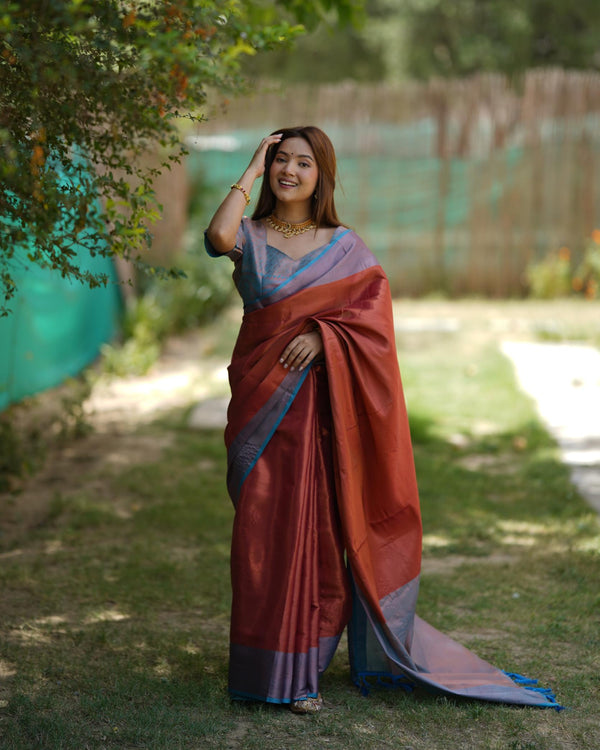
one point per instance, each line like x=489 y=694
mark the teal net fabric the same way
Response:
x=56 y=327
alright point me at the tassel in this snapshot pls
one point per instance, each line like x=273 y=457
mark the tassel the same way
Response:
x=384 y=680
x=530 y=684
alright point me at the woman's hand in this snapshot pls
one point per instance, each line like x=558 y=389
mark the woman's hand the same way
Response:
x=257 y=163
x=302 y=350
x=224 y=224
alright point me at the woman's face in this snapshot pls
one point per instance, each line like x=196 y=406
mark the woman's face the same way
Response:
x=294 y=173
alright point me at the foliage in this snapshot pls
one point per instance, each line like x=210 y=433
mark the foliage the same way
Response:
x=586 y=278
x=508 y=36
x=326 y=56
x=425 y=38
x=167 y=308
x=13 y=459
x=164 y=308
x=556 y=275
x=550 y=277
x=86 y=89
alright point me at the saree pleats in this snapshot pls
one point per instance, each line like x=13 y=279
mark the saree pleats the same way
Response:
x=320 y=463
x=291 y=590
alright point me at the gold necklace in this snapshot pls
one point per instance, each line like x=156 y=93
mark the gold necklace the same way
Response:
x=288 y=229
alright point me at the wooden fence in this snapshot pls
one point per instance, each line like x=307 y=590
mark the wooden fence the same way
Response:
x=457 y=185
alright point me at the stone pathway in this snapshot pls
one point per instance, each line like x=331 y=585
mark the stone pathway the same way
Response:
x=564 y=381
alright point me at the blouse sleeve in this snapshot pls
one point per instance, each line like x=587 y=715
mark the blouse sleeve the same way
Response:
x=238 y=249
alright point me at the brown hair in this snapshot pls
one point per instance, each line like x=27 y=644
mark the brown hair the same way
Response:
x=323 y=207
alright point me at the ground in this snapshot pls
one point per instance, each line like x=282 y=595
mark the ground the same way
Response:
x=74 y=589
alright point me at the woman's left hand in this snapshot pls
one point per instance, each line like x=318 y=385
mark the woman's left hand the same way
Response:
x=302 y=350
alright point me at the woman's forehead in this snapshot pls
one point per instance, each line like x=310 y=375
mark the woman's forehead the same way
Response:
x=296 y=147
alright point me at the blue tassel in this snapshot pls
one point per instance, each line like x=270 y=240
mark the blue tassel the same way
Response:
x=530 y=684
x=362 y=684
x=519 y=679
x=384 y=680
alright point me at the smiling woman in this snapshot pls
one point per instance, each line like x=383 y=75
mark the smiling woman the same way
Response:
x=293 y=176
x=320 y=465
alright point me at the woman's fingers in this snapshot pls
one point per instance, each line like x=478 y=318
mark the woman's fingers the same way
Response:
x=302 y=350
x=294 y=350
x=258 y=160
x=299 y=357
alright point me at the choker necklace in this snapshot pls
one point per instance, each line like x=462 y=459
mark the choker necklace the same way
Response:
x=288 y=229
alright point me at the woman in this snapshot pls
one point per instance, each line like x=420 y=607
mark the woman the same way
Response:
x=319 y=456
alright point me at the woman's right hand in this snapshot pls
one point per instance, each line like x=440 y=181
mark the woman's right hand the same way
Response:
x=224 y=224
x=257 y=163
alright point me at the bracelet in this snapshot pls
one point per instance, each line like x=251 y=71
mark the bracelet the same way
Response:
x=239 y=187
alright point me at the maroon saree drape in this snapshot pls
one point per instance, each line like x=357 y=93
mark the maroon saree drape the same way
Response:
x=320 y=462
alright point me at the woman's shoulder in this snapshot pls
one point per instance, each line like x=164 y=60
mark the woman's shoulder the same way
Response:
x=357 y=246
x=252 y=228
x=253 y=223
x=349 y=235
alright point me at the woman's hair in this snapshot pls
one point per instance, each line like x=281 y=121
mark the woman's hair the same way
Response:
x=323 y=211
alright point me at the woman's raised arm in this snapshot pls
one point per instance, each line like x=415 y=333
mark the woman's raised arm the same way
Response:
x=224 y=224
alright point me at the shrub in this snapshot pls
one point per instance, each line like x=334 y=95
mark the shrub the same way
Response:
x=550 y=277
x=555 y=276
x=167 y=307
x=587 y=276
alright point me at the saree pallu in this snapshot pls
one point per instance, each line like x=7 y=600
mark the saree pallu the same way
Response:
x=320 y=465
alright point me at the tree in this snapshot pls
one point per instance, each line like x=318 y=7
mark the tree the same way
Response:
x=449 y=38
x=87 y=88
x=507 y=36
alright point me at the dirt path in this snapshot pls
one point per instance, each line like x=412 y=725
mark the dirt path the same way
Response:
x=564 y=381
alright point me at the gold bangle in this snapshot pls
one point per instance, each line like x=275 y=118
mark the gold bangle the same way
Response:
x=239 y=187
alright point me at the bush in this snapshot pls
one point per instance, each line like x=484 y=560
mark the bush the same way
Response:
x=550 y=277
x=555 y=276
x=587 y=276
x=168 y=307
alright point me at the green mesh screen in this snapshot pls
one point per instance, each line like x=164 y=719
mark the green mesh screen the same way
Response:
x=55 y=329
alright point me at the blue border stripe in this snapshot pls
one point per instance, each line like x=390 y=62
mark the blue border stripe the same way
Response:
x=240 y=696
x=301 y=270
x=275 y=425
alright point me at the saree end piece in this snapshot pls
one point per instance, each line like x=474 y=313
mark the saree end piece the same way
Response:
x=382 y=679
x=531 y=684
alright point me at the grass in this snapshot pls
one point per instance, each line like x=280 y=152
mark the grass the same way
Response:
x=115 y=610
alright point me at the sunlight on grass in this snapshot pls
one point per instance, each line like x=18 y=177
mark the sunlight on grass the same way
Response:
x=107 y=615
x=589 y=545
x=162 y=669
x=7 y=669
x=524 y=534
x=28 y=634
x=435 y=541
x=50 y=620
x=554 y=535
x=53 y=546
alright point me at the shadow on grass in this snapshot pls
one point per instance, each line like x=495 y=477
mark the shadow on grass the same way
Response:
x=473 y=489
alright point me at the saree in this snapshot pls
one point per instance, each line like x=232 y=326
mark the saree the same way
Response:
x=327 y=527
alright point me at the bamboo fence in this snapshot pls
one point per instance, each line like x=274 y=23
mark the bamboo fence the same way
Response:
x=456 y=185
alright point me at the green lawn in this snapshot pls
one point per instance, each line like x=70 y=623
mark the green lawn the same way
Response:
x=114 y=609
